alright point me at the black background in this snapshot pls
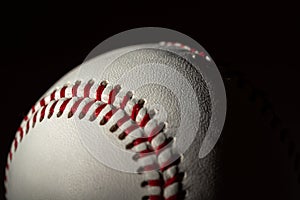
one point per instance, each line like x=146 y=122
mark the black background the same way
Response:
x=41 y=42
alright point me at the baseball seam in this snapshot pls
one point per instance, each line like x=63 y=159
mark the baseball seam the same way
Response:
x=112 y=106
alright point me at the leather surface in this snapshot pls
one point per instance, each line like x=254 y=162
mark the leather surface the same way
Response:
x=53 y=163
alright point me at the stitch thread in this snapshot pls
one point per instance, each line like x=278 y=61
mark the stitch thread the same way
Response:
x=135 y=118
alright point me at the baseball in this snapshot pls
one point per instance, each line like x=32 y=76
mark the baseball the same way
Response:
x=138 y=122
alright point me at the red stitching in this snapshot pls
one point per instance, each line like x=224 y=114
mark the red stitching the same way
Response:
x=145 y=120
x=184 y=47
x=112 y=95
x=106 y=117
x=153 y=133
x=74 y=107
x=86 y=108
x=63 y=92
x=43 y=113
x=32 y=109
x=130 y=129
x=125 y=100
x=136 y=108
x=150 y=168
x=10 y=155
x=170 y=181
x=27 y=127
x=52 y=96
x=34 y=119
x=98 y=110
x=100 y=90
x=63 y=107
x=87 y=88
x=155 y=197
x=74 y=88
x=15 y=143
x=20 y=130
x=51 y=111
x=122 y=120
x=43 y=103
x=155 y=182
x=139 y=141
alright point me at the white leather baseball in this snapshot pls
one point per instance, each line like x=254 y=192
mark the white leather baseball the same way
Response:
x=62 y=152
